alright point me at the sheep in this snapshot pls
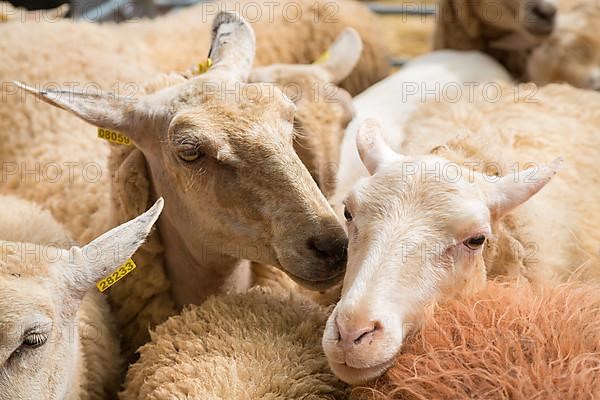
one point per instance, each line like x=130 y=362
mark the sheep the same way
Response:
x=253 y=226
x=321 y=116
x=505 y=342
x=572 y=53
x=58 y=339
x=448 y=215
x=507 y=30
x=260 y=344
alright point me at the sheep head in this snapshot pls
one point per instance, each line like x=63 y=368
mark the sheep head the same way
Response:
x=323 y=110
x=507 y=24
x=220 y=151
x=418 y=228
x=572 y=53
x=41 y=290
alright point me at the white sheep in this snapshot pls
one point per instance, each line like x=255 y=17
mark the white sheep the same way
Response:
x=58 y=338
x=241 y=195
x=443 y=75
x=448 y=213
x=507 y=30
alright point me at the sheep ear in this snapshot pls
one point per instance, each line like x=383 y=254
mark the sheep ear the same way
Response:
x=513 y=190
x=97 y=109
x=101 y=257
x=233 y=46
x=344 y=54
x=372 y=149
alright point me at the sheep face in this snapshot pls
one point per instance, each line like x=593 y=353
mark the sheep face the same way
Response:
x=572 y=53
x=417 y=230
x=220 y=151
x=323 y=110
x=525 y=20
x=41 y=290
x=534 y=17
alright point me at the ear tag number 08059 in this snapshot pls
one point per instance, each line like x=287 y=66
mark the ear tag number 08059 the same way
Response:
x=113 y=136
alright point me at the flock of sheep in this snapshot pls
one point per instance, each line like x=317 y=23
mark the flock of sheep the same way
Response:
x=468 y=260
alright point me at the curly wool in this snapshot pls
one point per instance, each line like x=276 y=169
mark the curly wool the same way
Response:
x=506 y=342
x=299 y=36
x=259 y=345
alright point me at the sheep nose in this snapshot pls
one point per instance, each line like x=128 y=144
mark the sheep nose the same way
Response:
x=356 y=333
x=333 y=249
x=544 y=11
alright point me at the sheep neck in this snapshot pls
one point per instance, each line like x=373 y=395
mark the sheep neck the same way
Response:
x=194 y=274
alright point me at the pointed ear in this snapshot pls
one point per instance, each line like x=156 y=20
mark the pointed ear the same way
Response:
x=344 y=54
x=101 y=257
x=511 y=191
x=233 y=46
x=97 y=109
x=372 y=149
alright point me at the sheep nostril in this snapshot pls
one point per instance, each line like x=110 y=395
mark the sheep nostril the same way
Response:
x=362 y=336
x=357 y=335
x=544 y=11
x=329 y=249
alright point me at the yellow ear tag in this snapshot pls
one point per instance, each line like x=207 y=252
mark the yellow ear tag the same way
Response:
x=113 y=136
x=116 y=276
x=323 y=58
x=203 y=67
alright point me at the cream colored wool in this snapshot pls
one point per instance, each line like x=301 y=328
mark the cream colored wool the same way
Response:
x=263 y=344
x=293 y=32
x=556 y=232
x=100 y=362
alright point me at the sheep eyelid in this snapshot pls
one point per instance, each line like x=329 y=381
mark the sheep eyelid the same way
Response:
x=475 y=242
x=36 y=339
x=189 y=152
x=347 y=214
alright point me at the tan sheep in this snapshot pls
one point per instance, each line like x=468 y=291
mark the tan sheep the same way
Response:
x=319 y=122
x=262 y=344
x=145 y=299
x=58 y=338
x=460 y=205
x=505 y=29
x=572 y=53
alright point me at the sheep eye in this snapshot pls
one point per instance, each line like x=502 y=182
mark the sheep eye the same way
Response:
x=475 y=242
x=34 y=340
x=347 y=214
x=190 y=154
